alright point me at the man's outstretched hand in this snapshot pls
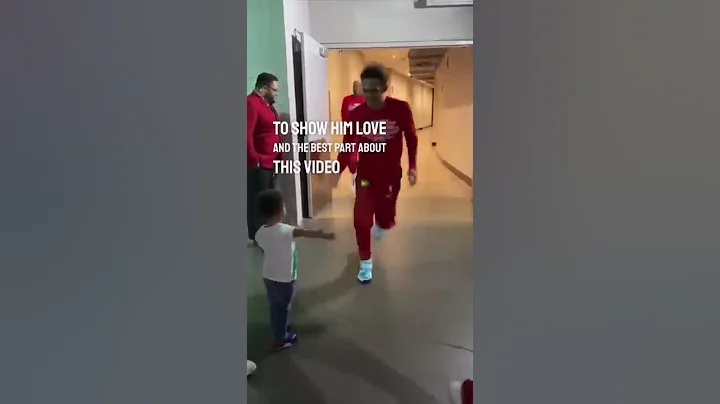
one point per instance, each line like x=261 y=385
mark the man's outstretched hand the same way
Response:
x=412 y=177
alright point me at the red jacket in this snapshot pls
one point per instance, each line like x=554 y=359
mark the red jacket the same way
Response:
x=261 y=135
x=382 y=166
x=349 y=103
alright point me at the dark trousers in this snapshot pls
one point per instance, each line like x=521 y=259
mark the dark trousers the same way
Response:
x=259 y=179
x=280 y=296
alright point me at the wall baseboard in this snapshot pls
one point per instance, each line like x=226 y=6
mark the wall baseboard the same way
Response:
x=455 y=171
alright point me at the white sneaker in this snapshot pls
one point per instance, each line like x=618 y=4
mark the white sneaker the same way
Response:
x=378 y=233
x=365 y=272
x=251 y=366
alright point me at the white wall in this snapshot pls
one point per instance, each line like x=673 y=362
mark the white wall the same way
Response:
x=296 y=16
x=417 y=93
x=356 y=22
x=345 y=67
x=453 y=126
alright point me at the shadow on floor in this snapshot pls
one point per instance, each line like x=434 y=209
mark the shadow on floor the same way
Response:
x=258 y=328
x=283 y=380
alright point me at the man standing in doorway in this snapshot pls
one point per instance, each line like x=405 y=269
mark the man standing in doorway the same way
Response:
x=379 y=175
x=349 y=103
x=261 y=142
x=352 y=101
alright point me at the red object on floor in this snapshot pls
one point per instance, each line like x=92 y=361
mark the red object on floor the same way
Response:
x=467 y=392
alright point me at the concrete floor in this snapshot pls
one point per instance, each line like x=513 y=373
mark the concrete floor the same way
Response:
x=399 y=340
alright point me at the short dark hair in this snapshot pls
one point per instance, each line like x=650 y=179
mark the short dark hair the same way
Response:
x=375 y=71
x=269 y=203
x=264 y=80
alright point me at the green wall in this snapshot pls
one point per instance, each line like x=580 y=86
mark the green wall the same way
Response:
x=265 y=53
x=266 y=45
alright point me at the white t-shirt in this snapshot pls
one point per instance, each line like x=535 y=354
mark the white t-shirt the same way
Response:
x=278 y=244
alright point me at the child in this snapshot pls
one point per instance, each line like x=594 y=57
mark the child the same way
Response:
x=277 y=241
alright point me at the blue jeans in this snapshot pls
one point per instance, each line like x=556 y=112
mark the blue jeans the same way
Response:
x=280 y=296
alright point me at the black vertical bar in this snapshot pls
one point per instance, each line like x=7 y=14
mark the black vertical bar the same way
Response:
x=300 y=112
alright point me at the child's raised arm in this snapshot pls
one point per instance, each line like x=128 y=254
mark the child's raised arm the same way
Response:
x=305 y=233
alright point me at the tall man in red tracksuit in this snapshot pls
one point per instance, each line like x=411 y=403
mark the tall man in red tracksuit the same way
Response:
x=352 y=101
x=379 y=174
x=349 y=103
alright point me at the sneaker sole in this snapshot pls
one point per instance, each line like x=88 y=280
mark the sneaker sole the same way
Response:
x=288 y=344
x=283 y=348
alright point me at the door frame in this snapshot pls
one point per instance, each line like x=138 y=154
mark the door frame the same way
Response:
x=298 y=74
x=410 y=44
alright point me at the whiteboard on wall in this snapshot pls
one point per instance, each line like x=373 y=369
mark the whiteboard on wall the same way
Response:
x=315 y=82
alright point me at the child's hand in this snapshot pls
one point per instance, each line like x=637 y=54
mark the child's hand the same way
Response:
x=328 y=235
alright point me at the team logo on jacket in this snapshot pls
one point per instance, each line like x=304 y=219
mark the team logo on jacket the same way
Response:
x=391 y=129
x=353 y=106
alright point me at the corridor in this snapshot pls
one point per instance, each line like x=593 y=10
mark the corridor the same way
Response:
x=399 y=340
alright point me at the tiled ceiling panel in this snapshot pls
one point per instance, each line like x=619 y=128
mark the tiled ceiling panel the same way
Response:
x=419 y=63
x=424 y=61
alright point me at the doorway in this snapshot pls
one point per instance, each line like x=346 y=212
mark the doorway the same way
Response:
x=297 y=60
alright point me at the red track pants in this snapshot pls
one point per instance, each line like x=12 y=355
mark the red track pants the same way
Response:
x=375 y=203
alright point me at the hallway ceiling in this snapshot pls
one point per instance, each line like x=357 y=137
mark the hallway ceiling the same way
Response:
x=424 y=61
x=392 y=58
x=419 y=63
